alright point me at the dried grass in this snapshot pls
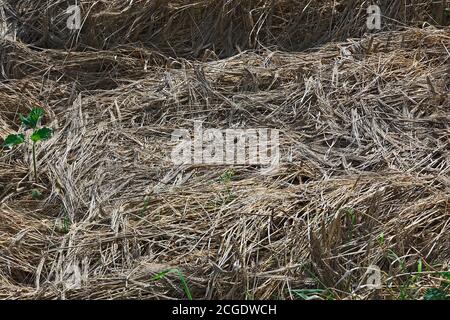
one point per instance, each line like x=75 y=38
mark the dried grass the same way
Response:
x=210 y=28
x=365 y=123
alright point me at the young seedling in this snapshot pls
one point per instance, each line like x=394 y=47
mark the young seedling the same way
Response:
x=36 y=194
x=163 y=274
x=32 y=121
x=441 y=293
x=226 y=179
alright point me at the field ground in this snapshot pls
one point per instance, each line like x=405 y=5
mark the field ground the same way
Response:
x=364 y=174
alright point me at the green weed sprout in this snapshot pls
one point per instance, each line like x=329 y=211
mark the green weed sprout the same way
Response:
x=441 y=293
x=32 y=121
x=180 y=274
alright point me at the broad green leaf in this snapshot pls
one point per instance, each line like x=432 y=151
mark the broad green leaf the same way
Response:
x=33 y=118
x=41 y=134
x=14 y=140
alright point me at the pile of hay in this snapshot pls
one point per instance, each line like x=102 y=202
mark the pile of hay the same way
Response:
x=363 y=180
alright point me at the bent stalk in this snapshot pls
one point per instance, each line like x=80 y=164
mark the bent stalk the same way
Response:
x=34 y=162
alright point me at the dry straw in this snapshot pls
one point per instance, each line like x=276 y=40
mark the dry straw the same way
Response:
x=364 y=176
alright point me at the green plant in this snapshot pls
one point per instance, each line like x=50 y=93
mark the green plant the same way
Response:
x=163 y=274
x=36 y=194
x=309 y=294
x=409 y=287
x=66 y=223
x=63 y=224
x=352 y=218
x=441 y=293
x=436 y=294
x=395 y=258
x=321 y=291
x=226 y=177
x=419 y=266
x=145 y=207
x=381 y=239
x=32 y=121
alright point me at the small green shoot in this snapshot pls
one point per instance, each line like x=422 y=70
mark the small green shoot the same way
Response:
x=63 y=224
x=381 y=239
x=163 y=274
x=441 y=293
x=66 y=223
x=36 y=194
x=226 y=177
x=351 y=216
x=309 y=294
x=32 y=121
x=322 y=290
x=419 y=266
x=436 y=294
x=395 y=258
x=145 y=207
